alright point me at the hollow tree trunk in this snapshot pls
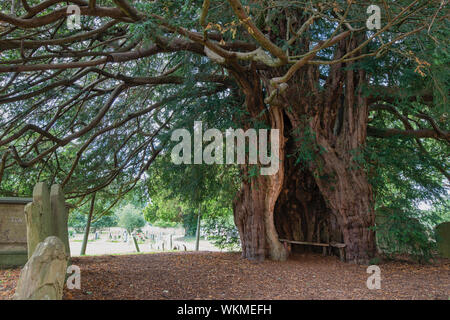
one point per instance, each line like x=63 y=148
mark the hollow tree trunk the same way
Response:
x=301 y=213
x=326 y=198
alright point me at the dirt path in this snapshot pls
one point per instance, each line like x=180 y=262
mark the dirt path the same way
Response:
x=213 y=275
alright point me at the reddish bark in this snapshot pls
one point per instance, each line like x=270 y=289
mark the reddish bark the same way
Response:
x=326 y=199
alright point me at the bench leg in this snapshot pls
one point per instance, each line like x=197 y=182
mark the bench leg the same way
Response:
x=324 y=251
x=341 y=254
x=287 y=247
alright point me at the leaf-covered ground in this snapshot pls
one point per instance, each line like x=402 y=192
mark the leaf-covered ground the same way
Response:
x=208 y=275
x=8 y=281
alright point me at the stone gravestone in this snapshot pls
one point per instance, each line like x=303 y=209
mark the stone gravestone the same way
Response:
x=46 y=216
x=60 y=214
x=42 y=277
x=443 y=232
x=13 y=232
x=38 y=216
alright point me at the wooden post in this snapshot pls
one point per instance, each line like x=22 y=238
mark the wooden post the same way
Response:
x=341 y=247
x=341 y=254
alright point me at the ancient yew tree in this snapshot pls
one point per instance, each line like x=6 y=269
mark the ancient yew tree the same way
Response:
x=92 y=105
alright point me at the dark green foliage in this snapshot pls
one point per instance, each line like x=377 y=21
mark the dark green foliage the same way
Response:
x=409 y=232
x=164 y=212
x=77 y=220
x=401 y=186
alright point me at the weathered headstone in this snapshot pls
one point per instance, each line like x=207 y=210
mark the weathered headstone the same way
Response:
x=42 y=277
x=13 y=232
x=60 y=215
x=38 y=217
x=46 y=216
x=443 y=232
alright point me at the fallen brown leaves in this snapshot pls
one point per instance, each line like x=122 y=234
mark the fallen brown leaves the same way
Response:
x=8 y=282
x=208 y=275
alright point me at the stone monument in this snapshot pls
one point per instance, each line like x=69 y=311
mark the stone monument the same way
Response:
x=13 y=232
x=46 y=216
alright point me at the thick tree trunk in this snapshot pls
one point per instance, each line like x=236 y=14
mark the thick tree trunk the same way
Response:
x=254 y=205
x=349 y=195
x=254 y=208
x=340 y=178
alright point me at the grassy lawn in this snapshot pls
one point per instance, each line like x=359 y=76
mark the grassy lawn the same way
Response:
x=189 y=239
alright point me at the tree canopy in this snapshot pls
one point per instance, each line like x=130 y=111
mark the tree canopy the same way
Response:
x=130 y=218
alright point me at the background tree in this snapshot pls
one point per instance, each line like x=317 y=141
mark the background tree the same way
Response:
x=131 y=219
x=181 y=193
x=165 y=212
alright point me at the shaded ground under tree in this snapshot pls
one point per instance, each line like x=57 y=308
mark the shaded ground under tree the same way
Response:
x=207 y=275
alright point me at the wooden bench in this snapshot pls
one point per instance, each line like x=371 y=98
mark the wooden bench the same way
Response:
x=340 y=246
